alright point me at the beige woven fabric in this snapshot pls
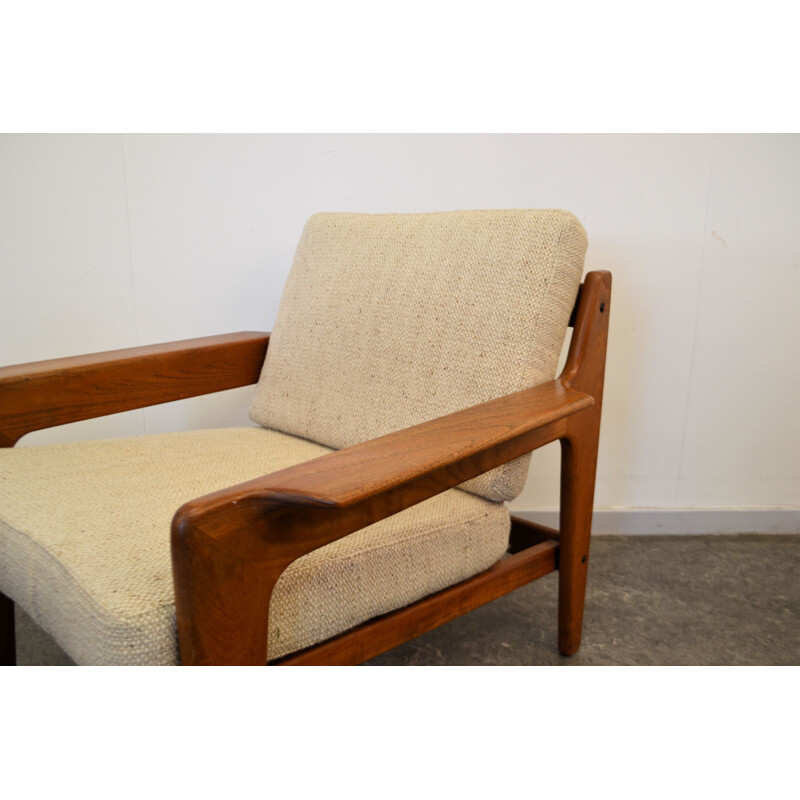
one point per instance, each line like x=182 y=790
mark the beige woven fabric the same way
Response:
x=394 y=319
x=84 y=543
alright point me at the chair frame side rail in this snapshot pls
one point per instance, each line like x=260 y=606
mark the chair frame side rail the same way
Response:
x=229 y=548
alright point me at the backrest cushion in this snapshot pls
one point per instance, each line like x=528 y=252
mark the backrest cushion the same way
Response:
x=389 y=320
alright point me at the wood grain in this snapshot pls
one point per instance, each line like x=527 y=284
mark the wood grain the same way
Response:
x=357 y=473
x=47 y=393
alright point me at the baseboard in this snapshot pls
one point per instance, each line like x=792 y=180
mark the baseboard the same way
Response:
x=681 y=521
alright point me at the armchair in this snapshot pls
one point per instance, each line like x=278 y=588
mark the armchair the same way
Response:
x=334 y=531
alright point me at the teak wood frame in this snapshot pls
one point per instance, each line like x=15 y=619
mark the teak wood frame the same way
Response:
x=229 y=548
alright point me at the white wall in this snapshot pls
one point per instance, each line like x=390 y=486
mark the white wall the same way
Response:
x=109 y=241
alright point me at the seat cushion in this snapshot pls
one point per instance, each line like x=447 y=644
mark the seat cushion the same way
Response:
x=85 y=543
x=389 y=320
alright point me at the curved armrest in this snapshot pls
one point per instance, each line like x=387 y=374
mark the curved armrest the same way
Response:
x=47 y=393
x=230 y=547
x=365 y=470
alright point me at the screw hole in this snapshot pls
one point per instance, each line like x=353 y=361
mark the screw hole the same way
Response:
x=602 y=307
x=583 y=560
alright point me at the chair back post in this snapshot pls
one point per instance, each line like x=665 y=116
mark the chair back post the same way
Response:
x=584 y=371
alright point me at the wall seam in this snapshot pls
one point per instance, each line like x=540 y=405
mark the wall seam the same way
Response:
x=700 y=283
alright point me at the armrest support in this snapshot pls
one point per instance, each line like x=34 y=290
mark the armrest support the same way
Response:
x=47 y=393
x=230 y=547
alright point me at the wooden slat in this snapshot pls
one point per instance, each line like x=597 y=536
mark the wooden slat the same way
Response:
x=383 y=633
x=525 y=534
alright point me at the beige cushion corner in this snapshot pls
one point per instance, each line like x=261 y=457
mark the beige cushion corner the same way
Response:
x=389 y=320
x=84 y=543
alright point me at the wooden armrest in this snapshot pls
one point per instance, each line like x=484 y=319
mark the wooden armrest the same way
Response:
x=358 y=473
x=47 y=393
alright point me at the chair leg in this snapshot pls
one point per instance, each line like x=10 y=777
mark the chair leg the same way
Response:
x=8 y=644
x=578 y=469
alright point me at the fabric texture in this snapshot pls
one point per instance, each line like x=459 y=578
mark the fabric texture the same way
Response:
x=84 y=543
x=390 y=320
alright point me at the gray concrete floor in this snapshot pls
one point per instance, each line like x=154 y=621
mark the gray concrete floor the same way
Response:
x=650 y=600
